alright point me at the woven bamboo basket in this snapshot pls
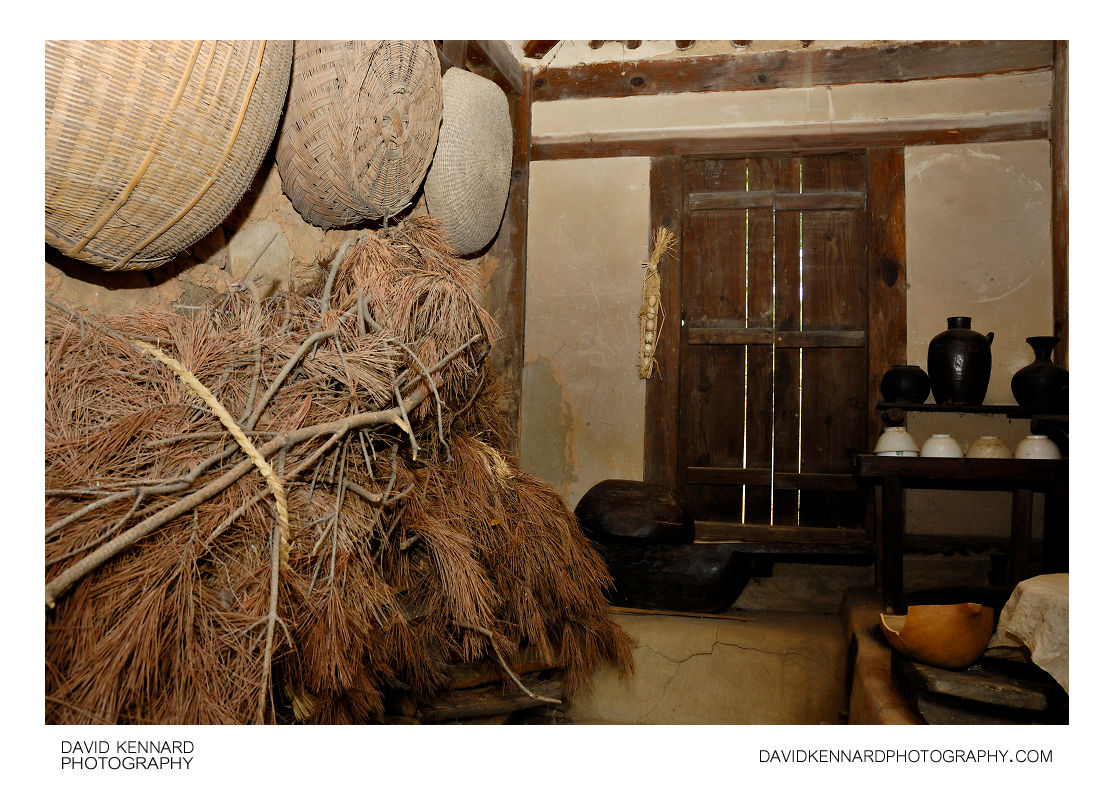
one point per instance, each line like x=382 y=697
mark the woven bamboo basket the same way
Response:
x=360 y=128
x=150 y=144
x=470 y=177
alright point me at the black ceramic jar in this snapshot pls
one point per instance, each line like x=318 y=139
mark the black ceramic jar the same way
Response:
x=959 y=363
x=1042 y=384
x=905 y=385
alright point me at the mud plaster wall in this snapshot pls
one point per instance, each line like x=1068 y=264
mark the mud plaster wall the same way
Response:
x=583 y=403
x=978 y=244
x=264 y=232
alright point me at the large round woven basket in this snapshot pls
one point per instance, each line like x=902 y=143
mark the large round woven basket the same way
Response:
x=150 y=144
x=470 y=176
x=360 y=128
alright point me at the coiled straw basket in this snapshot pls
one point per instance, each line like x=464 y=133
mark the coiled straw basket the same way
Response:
x=470 y=177
x=360 y=128
x=150 y=144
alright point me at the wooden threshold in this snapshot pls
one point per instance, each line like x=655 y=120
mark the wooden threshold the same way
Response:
x=778 y=539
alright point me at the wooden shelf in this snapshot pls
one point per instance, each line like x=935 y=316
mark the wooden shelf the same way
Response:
x=1010 y=410
x=1008 y=472
x=1022 y=477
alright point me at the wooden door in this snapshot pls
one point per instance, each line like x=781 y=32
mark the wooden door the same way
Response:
x=774 y=386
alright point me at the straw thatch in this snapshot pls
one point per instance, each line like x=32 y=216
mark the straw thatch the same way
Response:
x=151 y=144
x=407 y=540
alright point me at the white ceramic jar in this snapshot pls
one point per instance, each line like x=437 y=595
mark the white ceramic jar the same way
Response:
x=941 y=446
x=989 y=447
x=896 y=441
x=1037 y=446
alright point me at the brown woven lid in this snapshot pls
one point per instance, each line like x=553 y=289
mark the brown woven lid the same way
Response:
x=470 y=177
x=360 y=128
x=150 y=144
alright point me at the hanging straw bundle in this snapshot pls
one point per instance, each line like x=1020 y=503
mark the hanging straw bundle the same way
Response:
x=648 y=316
x=360 y=548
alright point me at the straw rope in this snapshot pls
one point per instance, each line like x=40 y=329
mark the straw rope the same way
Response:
x=226 y=419
x=649 y=320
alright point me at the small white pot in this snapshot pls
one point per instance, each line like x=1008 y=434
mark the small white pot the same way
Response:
x=941 y=446
x=896 y=441
x=989 y=447
x=1037 y=446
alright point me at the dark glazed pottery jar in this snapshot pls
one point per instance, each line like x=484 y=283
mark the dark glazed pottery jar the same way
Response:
x=959 y=363
x=1042 y=384
x=905 y=385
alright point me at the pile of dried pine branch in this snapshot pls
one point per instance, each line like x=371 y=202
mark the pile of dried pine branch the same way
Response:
x=282 y=510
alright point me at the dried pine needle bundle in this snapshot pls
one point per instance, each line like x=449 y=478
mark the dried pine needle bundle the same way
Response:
x=649 y=316
x=375 y=536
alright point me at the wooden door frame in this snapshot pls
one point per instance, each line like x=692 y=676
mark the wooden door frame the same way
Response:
x=887 y=314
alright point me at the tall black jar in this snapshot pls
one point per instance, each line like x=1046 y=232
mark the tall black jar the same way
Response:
x=959 y=363
x=1042 y=384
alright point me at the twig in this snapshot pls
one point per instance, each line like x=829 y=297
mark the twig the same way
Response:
x=337 y=428
x=503 y=663
x=272 y=615
x=327 y=292
x=283 y=373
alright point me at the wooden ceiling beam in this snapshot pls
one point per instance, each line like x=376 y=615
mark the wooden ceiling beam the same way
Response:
x=498 y=56
x=793 y=68
x=538 y=49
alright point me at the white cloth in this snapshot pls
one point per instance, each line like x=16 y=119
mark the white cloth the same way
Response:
x=1036 y=617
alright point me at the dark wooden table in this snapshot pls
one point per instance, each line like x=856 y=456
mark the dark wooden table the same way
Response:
x=1021 y=476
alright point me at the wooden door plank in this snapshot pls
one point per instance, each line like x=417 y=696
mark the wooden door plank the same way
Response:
x=713 y=286
x=701 y=332
x=779 y=200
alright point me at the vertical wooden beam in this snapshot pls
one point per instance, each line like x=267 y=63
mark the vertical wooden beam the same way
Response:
x=498 y=54
x=660 y=452
x=886 y=300
x=452 y=54
x=1058 y=136
x=886 y=274
x=505 y=267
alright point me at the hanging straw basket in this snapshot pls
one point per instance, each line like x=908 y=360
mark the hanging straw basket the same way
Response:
x=470 y=177
x=150 y=144
x=360 y=128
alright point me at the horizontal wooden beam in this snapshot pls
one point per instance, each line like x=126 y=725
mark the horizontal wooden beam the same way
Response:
x=778 y=539
x=793 y=137
x=538 y=49
x=795 y=339
x=777 y=200
x=797 y=68
x=804 y=481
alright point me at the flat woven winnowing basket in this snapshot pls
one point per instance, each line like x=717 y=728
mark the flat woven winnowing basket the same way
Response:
x=360 y=128
x=150 y=144
x=470 y=176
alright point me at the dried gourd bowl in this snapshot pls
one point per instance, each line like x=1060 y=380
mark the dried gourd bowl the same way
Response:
x=949 y=636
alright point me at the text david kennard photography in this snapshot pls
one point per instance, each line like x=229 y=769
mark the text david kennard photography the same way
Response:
x=127 y=754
